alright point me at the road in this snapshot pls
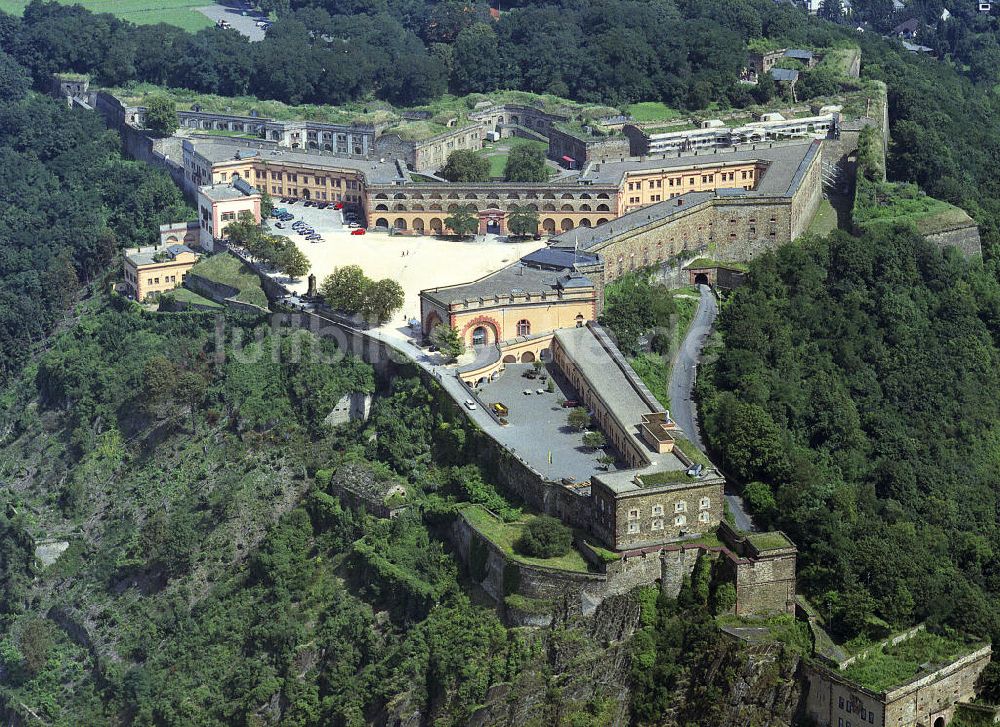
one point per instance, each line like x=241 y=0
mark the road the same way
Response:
x=681 y=387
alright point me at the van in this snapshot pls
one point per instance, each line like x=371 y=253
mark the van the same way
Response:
x=499 y=409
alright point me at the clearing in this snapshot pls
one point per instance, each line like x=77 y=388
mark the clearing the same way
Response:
x=182 y=13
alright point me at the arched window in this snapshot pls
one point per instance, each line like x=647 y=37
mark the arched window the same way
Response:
x=479 y=336
x=523 y=327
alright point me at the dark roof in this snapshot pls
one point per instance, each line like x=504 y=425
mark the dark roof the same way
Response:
x=557 y=258
x=799 y=54
x=784 y=74
x=907 y=26
x=178 y=249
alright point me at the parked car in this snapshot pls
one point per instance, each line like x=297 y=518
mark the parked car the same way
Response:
x=527 y=392
x=359 y=231
x=338 y=206
x=500 y=409
x=353 y=225
x=570 y=404
x=314 y=238
x=308 y=203
x=322 y=205
x=470 y=405
x=280 y=225
x=539 y=391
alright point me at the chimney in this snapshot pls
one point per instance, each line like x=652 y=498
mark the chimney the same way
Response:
x=680 y=201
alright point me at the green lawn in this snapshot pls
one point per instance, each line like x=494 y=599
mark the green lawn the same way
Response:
x=825 y=220
x=184 y=295
x=181 y=13
x=649 y=111
x=768 y=541
x=505 y=534
x=654 y=368
x=498 y=159
x=229 y=270
x=893 y=666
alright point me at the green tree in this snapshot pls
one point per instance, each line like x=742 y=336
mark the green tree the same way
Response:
x=35 y=642
x=545 y=537
x=292 y=261
x=15 y=81
x=594 y=440
x=723 y=599
x=578 y=418
x=526 y=164
x=161 y=115
x=345 y=288
x=191 y=388
x=463 y=222
x=522 y=221
x=448 y=341
x=382 y=299
x=266 y=204
x=465 y=165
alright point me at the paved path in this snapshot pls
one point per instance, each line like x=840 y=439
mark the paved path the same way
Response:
x=233 y=12
x=681 y=387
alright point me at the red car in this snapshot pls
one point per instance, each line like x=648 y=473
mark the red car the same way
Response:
x=359 y=231
x=339 y=206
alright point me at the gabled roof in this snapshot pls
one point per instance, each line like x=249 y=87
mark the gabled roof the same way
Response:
x=784 y=74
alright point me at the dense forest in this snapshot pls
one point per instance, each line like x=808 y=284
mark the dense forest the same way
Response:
x=856 y=396
x=70 y=202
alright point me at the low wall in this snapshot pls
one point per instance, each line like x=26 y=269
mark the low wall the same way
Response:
x=220 y=293
x=965 y=239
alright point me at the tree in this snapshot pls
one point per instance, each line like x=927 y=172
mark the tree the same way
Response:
x=526 y=164
x=15 y=81
x=723 y=599
x=594 y=440
x=35 y=642
x=463 y=222
x=522 y=221
x=448 y=341
x=545 y=537
x=345 y=288
x=292 y=260
x=191 y=388
x=606 y=460
x=266 y=204
x=464 y=165
x=578 y=418
x=161 y=115
x=832 y=10
x=382 y=299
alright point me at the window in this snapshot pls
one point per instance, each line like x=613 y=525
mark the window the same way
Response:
x=633 y=527
x=156 y=280
x=657 y=524
x=633 y=514
x=703 y=516
x=657 y=510
x=850 y=708
x=228 y=216
x=523 y=328
x=680 y=520
x=149 y=281
x=704 y=503
x=840 y=721
x=864 y=714
x=681 y=506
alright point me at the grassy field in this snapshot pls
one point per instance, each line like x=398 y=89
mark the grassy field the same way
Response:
x=505 y=534
x=895 y=665
x=649 y=111
x=825 y=220
x=498 y=160
x=228 y=270
x=181 y=13
x=184 y=295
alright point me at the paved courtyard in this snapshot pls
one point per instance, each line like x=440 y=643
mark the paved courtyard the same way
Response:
x=537 y=424
x=414 y=262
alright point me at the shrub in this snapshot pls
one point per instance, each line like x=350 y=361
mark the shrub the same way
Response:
x=545 y=537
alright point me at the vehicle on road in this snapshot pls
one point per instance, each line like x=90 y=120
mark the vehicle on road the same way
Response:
x=470 y=405
x=359 y=231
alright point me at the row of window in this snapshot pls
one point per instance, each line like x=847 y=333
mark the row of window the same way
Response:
x=679 y=181
x=635 y=526
x=850 y=707
x=166 y=279
x=680 y=506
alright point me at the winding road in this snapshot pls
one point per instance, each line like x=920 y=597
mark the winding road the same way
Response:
x=681 y=387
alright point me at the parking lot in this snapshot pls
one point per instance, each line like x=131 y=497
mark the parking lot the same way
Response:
x=414 y=262
x=233 y=13
x=537 y=424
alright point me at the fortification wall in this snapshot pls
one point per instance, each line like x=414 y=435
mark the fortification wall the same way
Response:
x=965 y=239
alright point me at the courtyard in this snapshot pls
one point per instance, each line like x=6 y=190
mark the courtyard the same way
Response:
x=414 y=262
x=537 y=428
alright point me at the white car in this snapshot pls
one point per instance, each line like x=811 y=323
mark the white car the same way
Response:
x=353 y=225
x=470 y=404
